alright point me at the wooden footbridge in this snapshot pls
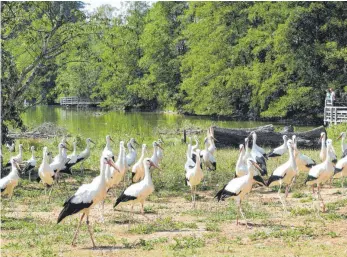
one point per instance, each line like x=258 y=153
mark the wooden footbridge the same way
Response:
x=333 y=113
x=78 y=101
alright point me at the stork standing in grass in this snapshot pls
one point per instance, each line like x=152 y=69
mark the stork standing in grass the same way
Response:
x=239 y=187
x=254 y=144
x=323 y=152
x=279 y=151
x=207 y=157
x=72 y=158
x=210 y=135
x=108 y=148
x=155 y=158
x=341 y=169
x=46 y=172
x=58 y=163
x=303 y=162
x=284 y=174
x=31 y=163
x=160 y=151
x=131 y=156
x=258 y=153
x=241 y=165
x=194 y=175
x=138 y=192
x=321 y=173
x=11 y=147
x=86 y=197
x=343 y=144
x=138 y=170
x=18 y=157
x=8 y=183
x=84 y=155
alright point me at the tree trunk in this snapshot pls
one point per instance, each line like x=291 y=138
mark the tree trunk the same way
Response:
x=266 y=136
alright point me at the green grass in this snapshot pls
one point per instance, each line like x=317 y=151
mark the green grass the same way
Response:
x=35 y=228
x=161 y=224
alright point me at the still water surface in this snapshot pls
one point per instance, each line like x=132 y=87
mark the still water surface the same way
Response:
x=90 y=123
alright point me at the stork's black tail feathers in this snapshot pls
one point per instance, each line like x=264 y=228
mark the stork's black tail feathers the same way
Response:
x=337 y=170
x=309 y=178
x=72 y=208
x=272 y=179
x=223 y=194
x=124 y=198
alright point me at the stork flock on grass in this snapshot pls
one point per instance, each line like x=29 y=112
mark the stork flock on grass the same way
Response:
x=251 y=167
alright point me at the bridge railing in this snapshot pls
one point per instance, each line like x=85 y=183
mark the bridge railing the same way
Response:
x=74 y=100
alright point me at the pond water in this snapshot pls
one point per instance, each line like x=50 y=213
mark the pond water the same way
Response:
x=90 y=123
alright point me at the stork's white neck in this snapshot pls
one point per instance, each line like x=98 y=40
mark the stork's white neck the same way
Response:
x=155 y=149
x=147 y=179
x=291 y=158
x=323 y=143
x=32 y=154
x=74 y=148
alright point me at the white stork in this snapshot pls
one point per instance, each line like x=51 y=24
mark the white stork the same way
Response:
x=341 y=169
x=210 y=135
x=194 y=147
x=18 y=157
x=254 y=144
x=343 y=144
x=108 y=148
x=241 y=165
x=258 y=153
x=154 y=157
x=58 y=163
x=115 y=175
x=84 y=155
x=31 y=163
x=194 y=175
x=139 y=192
x=303 y=162
x=323 y=152
x=11 y=147
x=46 y=172
x=284 y=174
x=207 y=157
x=279 y=151
x=131 y=156
x=321 y=173
x=160 y=151
x=138 y=170
x=86 y=197
x=239 y=187
x=8 y=183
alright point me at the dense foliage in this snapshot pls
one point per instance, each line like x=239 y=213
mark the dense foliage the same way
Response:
x=242 y=59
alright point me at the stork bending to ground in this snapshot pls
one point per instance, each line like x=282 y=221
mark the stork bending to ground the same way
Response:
x=321 y=173
x=239 y=187
x=284 y=174
x=86 y=197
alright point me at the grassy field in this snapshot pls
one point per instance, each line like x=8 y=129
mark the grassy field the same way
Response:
x=171 y=226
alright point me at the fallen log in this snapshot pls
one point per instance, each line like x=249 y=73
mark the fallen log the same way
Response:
x=266 y=136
